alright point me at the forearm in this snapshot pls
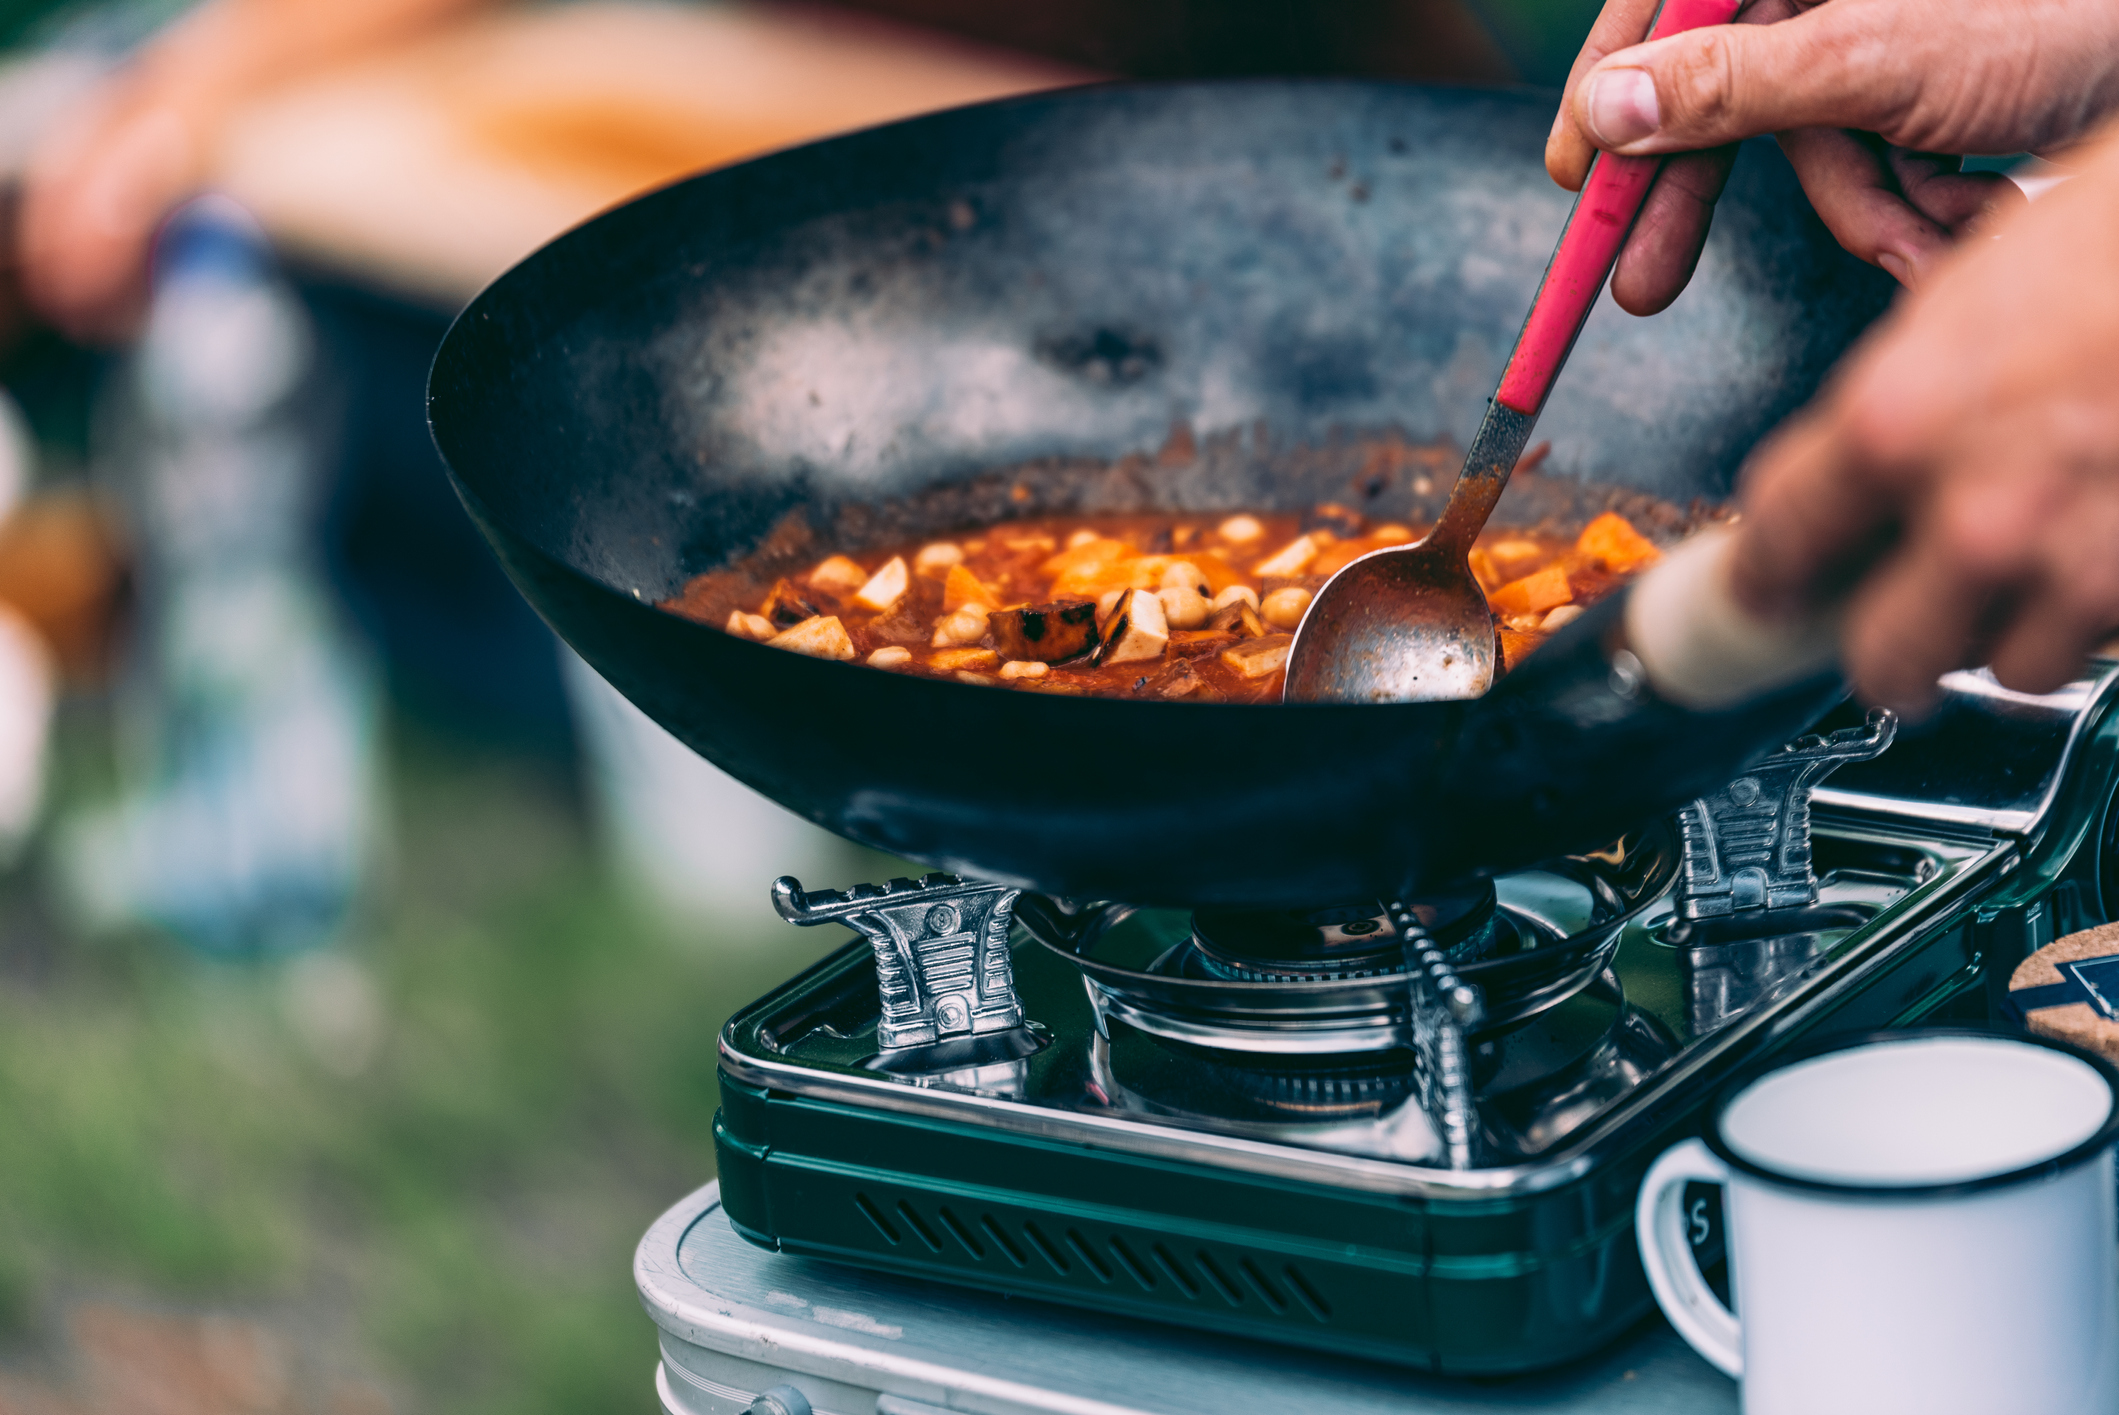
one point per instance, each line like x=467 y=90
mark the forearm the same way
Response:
x=226 y=50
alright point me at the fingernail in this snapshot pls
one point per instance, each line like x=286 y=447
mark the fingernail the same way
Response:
x=1897 y=267
x=1622 y=106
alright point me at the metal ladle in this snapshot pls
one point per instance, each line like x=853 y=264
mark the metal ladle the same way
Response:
x=1411 y=623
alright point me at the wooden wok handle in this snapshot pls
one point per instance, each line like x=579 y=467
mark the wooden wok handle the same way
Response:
x=1589 y=247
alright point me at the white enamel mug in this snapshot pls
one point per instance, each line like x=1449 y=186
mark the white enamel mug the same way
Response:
x=1921 y=1221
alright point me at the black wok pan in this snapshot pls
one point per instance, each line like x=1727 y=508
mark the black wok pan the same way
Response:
x=967 y=316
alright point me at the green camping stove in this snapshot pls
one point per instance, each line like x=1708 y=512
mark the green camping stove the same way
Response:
x=1405 y=1130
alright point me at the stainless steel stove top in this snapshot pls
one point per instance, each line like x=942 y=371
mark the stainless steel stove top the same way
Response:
x=1579 y=1074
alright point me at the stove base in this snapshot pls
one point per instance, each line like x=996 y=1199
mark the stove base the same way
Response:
x=1050 y=1187
x=735 y=1322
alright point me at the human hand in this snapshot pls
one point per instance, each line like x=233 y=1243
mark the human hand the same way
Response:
x=107 y=173
x=1959 y=480
x=96 y=191
x=1872 y=100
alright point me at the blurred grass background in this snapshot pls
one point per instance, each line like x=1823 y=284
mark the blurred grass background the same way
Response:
x=432 y=1205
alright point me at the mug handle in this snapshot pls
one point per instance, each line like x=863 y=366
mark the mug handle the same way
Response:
x=1666 y=1253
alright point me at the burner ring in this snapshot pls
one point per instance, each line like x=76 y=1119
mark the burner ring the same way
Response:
x=1342 y=942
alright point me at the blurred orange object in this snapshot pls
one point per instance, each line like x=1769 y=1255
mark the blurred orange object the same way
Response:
x=62 y=567
x=1612 y=539
x=1534 y=593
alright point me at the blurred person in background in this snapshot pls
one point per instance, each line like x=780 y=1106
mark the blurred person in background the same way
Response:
x=108 y=171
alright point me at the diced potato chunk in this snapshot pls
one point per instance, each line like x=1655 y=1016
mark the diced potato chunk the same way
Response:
x=1291 y=559
x=934 y=560
x=1241 y=530
x=1514 y=557
x=963 y=626
x=961 y=587
x=1256 y=658
x=1391 y=533
x=1485 y=571
x=952 y=660
x=1024 y=668
x=1534 y=593
x=1137 y=630
x=1045 y=633
x=1565 y=614
x=1612 y=539
x=1184 y=607
x=886 y=587
x=1234 y=593
x=838 y=576
x=1284 y=608
x=890 y=656
x=976 y=680
x=821 y=637
x=751 y=626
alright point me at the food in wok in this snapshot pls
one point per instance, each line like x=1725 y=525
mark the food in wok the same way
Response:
x=1184 y=607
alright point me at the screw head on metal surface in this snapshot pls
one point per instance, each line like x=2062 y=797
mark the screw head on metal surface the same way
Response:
x=781 y=1400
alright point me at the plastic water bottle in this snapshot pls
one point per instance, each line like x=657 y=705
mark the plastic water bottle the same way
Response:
x=247 y=717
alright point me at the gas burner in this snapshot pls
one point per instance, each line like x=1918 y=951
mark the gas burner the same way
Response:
x=1331 y=982
x=1324 y=945
x=1180 y=1079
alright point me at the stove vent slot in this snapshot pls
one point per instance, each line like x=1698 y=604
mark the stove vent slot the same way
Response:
x=1088 y=1256
x=1238 y=1277
x=1221 y=1284
x=1131 y=1264
x=875 y=1216
x=1002 y=1241
x=1312 y=1301
x=1263 y=1286
x=1045 y=1249
x=1176 y=1272
x=919 y=1227
x=961 y=1234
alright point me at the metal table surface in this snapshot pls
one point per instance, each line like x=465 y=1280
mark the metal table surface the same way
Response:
x=736 y=1320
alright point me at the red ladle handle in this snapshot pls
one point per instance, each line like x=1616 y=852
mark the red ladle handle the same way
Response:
x=1589 y=247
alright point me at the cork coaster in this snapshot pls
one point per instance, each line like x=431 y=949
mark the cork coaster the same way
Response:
x=2069 y=990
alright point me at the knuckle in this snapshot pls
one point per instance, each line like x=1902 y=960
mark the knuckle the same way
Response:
x=1701 y=82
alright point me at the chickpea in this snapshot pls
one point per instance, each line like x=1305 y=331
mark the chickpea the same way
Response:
x=1284 y=608
x=1184 y=606
x=1184 y=575
x=1234 y=593
x=960 y=627
x=750 y=626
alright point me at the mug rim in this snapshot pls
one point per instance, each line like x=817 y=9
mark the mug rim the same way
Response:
x=2076 y=1155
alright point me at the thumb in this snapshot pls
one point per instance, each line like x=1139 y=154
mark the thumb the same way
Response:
x=1724 y=83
